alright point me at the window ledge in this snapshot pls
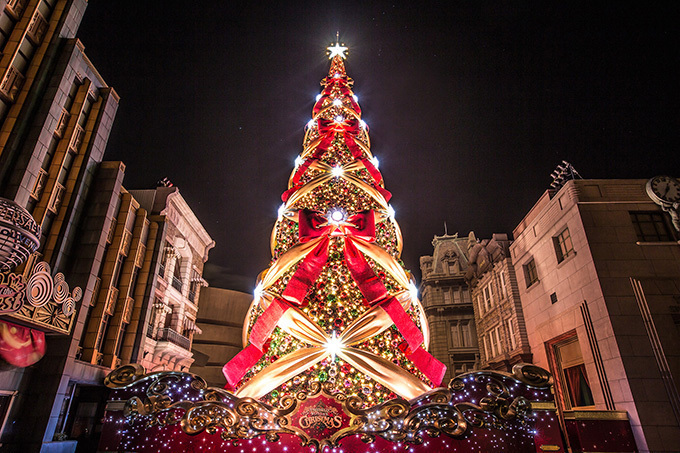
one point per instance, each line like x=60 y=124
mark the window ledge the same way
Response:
x=533 y=285
x=662 y=243
x=569 y=258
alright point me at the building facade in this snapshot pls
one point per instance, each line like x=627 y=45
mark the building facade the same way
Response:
x=448 y=306
x=499 y=320
x=56 y=113
x=171 y=323
x=598 y=270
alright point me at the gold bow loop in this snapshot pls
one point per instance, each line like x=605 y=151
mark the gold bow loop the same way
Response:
x=297 y=324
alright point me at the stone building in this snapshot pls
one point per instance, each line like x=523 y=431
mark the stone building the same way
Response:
x=171 y=322
x=501 y=330
x=56 y=113
x=448 y=306
x=598 y=270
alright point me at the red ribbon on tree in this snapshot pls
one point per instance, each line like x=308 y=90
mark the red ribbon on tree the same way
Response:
x=349 y=129
x=313 y=225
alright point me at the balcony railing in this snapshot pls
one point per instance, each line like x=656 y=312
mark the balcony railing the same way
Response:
x=161 y=270
x=170 y=335
x=177 y=284
x=192 y=296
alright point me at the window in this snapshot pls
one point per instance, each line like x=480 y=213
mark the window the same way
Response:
x=39 y=184
x=16 y=7
x=447 y=296
x=36 y=28
x=11 y=84
x=497 y=338
x=504 y=292
x=488 y=296
x=62 y=123
x=530 y=273
x=512 y=334
x=463 y=334
x=651 y=227
x=486 y=348
x=76 y=139
x=177 y=275
x=563 y=246
x=573 y=379
x=56 y=198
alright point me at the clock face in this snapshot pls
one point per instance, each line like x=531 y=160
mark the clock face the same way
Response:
x=664 y=189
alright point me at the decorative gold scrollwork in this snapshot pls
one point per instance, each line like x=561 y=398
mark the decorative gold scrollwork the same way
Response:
x=124 y=376
x=440 y=411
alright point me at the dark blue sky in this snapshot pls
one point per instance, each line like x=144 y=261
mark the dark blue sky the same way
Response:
x=471 y=105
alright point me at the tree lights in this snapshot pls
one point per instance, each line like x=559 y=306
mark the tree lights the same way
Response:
x=336 y=304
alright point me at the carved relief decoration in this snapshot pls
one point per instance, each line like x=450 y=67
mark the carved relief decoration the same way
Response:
x=36 y=297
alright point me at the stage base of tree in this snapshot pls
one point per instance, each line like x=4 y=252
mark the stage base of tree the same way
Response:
x=478 y=411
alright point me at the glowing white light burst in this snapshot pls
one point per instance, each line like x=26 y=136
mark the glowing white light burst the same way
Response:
x=318 y=96
x=337 y=171
x=339 y=119
x=337 y=102
x=257 y=292
x=390 y=211
x=282 y=210
x=336 y=215
x=413 y=291
x=334 y=345
x=375 y=162
x=337 y=49
x=299 y=161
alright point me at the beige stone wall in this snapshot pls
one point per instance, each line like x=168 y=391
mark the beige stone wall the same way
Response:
x=595 y=299
x=443 y=274
x=220 y=319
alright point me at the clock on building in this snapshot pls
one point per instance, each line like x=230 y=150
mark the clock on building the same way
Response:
x=664 y=190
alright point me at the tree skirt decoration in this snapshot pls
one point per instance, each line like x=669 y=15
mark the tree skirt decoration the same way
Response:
x=479 y=411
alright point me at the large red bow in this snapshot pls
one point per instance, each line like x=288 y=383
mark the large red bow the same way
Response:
x=313 y=226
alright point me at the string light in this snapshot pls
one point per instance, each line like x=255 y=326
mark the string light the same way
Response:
x=390 y=211
x=334 y=345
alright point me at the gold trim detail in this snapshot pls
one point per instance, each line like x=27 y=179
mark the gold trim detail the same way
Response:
x=543 y=406
x=595 y=415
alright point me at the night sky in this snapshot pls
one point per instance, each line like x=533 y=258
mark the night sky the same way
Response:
x=470 y=105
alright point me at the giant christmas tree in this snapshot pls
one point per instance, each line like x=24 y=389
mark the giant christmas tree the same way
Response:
x=335 y=340
x=336 y=305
